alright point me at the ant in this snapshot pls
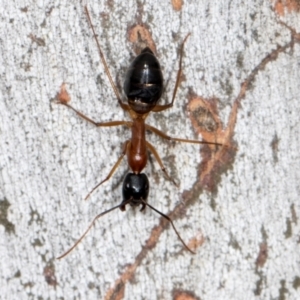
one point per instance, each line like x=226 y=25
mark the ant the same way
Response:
x=143 y=88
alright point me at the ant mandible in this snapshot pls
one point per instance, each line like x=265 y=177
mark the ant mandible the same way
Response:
x=143 y=88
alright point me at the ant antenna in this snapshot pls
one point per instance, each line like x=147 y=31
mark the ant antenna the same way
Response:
x=91 y=225
x=142 y=201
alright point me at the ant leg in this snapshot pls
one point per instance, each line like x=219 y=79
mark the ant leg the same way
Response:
x=88 y=229
x=123 y=105
x=159 y=108
x=167 y=137
x=154 y=152
x=116 y=165
x=98 y=124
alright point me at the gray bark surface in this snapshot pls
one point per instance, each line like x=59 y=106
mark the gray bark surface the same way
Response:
x=246 y=232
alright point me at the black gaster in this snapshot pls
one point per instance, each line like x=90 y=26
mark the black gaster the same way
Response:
x=143 y=84
x=135 y=188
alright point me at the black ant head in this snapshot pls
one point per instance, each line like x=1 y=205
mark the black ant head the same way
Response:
x=135 y=188
x=143 y=84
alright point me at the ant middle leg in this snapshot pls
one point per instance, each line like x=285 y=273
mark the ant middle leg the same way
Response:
x=116 y=165
x=159 y=108
x=154 y=152
x=167 y=137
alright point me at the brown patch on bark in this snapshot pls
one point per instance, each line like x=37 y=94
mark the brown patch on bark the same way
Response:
x=39 y=41
x=141 y=37
x=49 y=274
x=177 y=4
x=63 y=95
x=294 y=214
x=206 y=122
x=274 y=145
x=196 y=241
x=9 y=227
x=262 y=255
x=184 y=295
x=286 y=6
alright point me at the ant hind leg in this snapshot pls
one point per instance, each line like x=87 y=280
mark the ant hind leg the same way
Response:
x=154 y=152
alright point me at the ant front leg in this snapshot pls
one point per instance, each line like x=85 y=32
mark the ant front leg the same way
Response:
x=159 y=108
x=97 y=124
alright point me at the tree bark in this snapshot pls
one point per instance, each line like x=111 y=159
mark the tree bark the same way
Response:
x=237 y=205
